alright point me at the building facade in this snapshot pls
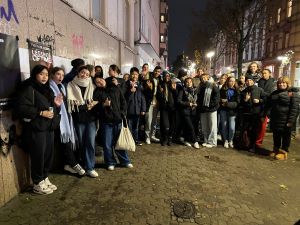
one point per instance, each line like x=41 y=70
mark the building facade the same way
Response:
x=102 y=32
x=163 y=34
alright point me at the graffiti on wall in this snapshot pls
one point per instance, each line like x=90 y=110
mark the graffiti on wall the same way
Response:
x=46 y=40
x=78 y=44
x=8 y=13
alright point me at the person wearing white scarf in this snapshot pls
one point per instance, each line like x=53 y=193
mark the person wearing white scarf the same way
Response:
x=66 y=129
x=80 y=101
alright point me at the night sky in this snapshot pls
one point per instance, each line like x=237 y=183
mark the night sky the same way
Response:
x=180 y=23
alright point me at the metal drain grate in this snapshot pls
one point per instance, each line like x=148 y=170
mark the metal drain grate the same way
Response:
x=184 y=209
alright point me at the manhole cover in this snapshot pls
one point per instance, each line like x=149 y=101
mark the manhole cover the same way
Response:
x=184 y=209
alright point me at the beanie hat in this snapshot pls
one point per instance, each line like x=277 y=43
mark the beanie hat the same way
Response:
x=249 y=76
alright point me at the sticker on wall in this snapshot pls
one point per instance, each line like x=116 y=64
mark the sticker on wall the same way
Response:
x=9 y=68
x=39 y=54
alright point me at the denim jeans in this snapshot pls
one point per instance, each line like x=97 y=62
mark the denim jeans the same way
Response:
x=133 y=124
x=151 y=121
x=111 y=133
x=228 y=125
x=86 y=136
x=209 y=127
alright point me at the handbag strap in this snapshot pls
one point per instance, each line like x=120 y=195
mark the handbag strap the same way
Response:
x=125 y=120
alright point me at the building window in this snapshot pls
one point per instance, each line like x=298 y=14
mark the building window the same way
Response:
x=162 y=18
x=162 y=38
x=96 y=10
x=286 y=40
x=289 y=8
x=278 y=15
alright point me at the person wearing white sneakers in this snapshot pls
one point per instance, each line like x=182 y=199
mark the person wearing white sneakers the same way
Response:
x=113 y=110
x=65 y=135
x=208 y=104
x=81 y=104
x=187 y=99
x=39 y=111
x=230 y=99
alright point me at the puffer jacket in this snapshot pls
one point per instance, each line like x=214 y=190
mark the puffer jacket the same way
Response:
x=250 y=107
x=283 y=107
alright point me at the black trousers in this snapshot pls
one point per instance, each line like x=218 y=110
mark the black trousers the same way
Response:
x=190 y=126
x=166 y=125
x=251 y=123
x=282 y=139
x=40 y=147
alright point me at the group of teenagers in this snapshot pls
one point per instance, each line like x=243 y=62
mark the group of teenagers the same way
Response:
x=76 y=110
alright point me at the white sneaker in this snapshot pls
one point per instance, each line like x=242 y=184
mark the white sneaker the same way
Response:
x=204 y=144
x=42 y=189
x=226 y=144
x=231 y=144
x=196 y=145
x=111 y=168
x=153 y=138
x=78 y=169
x=92 y=173
x=148 y=142
x=50 y=185
x=187 y=144
x=209 y=146
x=130 y=166
x=219 y=137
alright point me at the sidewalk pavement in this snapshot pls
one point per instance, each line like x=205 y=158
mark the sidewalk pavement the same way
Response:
x=225 y=186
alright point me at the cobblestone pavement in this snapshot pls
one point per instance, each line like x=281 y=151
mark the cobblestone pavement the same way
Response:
x=226 y=186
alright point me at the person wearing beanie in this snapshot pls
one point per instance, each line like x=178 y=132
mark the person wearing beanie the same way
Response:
x=252 y=99
x=76 y=63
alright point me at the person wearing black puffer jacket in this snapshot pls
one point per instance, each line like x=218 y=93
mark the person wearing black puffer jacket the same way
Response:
x=208 y=104
x=283 y=109
x=252 y=99
x=165 y=97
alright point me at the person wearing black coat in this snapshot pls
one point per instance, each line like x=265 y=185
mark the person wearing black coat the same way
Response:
x=267 y=83
x=76 y=63
x=187 y=99
x=136 y=104
x=283 y=108
x=165 y=98
x=252 y=99
x=39 y=110
x=114 y=110
x=208 y=104
x=230 y=99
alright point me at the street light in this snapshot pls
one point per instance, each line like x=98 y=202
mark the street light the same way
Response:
x=210 y=55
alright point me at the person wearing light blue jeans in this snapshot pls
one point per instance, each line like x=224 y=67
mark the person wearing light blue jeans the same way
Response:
x=230 y=99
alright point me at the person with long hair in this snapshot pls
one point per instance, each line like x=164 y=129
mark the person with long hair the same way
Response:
x=39 y=110
x=66 y=132
x=80 y=103
x=187 y=99
x=229 y=100
x=165 y=98
x=283 y=108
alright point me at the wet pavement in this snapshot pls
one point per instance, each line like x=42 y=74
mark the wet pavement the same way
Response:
x=221 y=186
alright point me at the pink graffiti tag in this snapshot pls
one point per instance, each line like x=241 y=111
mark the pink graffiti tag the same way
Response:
x=78 y=43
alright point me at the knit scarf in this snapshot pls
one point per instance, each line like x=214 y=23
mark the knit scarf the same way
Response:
x=75 y=98
x=207 y=94
x=191 y=94
x=67 y=132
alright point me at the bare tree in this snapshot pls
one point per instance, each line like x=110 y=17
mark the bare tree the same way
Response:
x=236 y=20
